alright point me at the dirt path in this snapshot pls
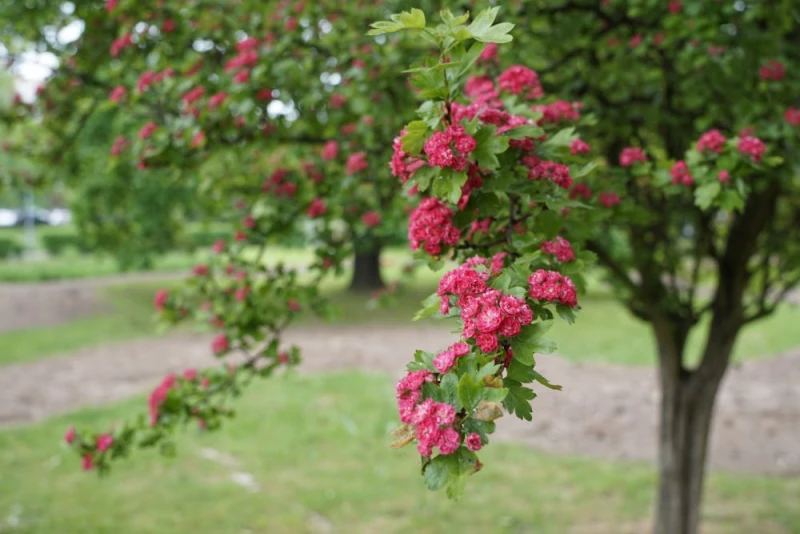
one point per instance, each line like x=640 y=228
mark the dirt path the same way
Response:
x=604 y=411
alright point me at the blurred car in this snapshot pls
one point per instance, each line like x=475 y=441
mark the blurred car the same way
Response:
x=8 y=218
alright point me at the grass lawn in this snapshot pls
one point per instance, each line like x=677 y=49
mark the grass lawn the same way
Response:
x=334 y=472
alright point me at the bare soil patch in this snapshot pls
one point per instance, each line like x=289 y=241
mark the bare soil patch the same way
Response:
x=604 y=411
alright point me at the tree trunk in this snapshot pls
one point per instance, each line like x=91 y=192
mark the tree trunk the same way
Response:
x=683 y=442
x=367 y=270
x=687 y=406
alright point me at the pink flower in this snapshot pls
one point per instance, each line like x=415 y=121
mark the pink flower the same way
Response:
x=104 y=442
x=473 y=442
x=220 y=345
x=675 y=6
x=219 y=246
x=160 y=299
x=521 y=80
x=712 y=140
x=120 y=143
x=87 y=462
x=200 y=270
x=557 y=173
x=198 y=139
x=488 y=320
x=117 y=93
x=337 y=100
x=316 y=208
x=147 y=130
x=330 y=150
x=249 y=222
x=190 y=374
x=560 y=248
x=356 y=163
x=487 y=342
x=635 y=41
x=242 y=76
x=121 y=44
x=792 y=116
x=445 y=360
x=558 y=112
x=168 y=26
x=216 y=100
x=430 y=226
x=773 y=70
x=111 y=5
x=194 y=95
x=70 y=435
x=723 y=176
x=631 y=155
x=752 y=146
x=294 y=305
x=579 y=146
x=489 y=53
x=241 y=293
x=264 y=94
x=680 y=173
x=371 y=219
x=552 y=286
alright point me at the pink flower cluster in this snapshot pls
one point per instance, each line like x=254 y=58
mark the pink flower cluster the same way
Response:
x=752 y=146
x=486 y=312
x=121 y=44
x=519 y=80
x=712 y=140
x=160 y=300
x=147 y=130
x=330 y=150
x=558 y=111
x=356 y=163
x=445 y=360
x=792 y=116
x=220 y=345
x=680 y=173
x=409 y=392
x=117 y=94
x=316 y=208
x=158 y=396
x=557 y=173
x=403 y=165
x=278 y=185
x=371 y=218
x=772 y=71
x=631 y=155
x=608 y=198
x=552 y=287
x=439 y=148
x=430 y=226
x=579 y=146
x=560 y=248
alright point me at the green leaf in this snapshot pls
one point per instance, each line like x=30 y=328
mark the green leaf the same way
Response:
x=528 y=341
x=482 y=428
x=526 y=130
x=585 y=170
x=498 y=34
x=705 y=194
x=495 y=394
x=482 y=30
x=441 y=471
x=520 y=372
x=566 y=313
x=470 y=392
x=488 y=370
x=518 y=401
x=411 y=19
x=424 y=176
x=429 y=307
x=449 y=390
x=412 y=141
x=488 y=145
x=384 y=26
x=481 y=24
x=448 y=185
x=545 y=382
x=561 y=139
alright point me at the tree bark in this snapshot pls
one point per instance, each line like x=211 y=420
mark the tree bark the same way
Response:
x=687 y=406
x=367 y=270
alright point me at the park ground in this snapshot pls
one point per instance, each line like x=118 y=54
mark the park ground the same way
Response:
x=309 y=452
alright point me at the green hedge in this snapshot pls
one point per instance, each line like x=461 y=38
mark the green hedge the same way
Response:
x=57 y=244
x=10 y=247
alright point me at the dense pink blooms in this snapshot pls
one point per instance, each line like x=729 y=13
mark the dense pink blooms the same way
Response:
x=675 y=6
x=200 y=270
x=219 y=246
x=120 y=143
x=117 y=94
x=316 y=208
x=70 y=435
x=712 y=140
x=496 y=263
x=330 y=150
x=220 y=344
x=631 y=155
x=104 y=442
x=582 y=191
x=409 y=392
x=356 y=163
x=608 y=198
x=111 y=5
x=635 y=41
x=723 y=176
x=557 y=112
x=146 y=79
x=194 y=95
x=519 y=80
x=680 y=174
x=772 y=71
x=473 y=442
x=87 y=462
x=430 y=226
x=121 y=44
x=190 y=374
x=158 y=396
x=433 y=422
x=552 y=287
x=445 y=360
x=579 y=146
x=557 y=173
x=752 y=146
x=249 y=222
x=337 y=100
x=241 y=293
x=242 y=76
x=264 y=94
x=294 y=306
x=371 y=219
x=160 y=300
x=198 y=139
x=216 y=100
x=449 y=148
x=403 y=166
x=147 y=130
x=168 y=26
x=792 y=116
x=489 y=53
x=560 y=248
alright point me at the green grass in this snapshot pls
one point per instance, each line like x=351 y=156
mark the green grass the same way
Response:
x=335 y=468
